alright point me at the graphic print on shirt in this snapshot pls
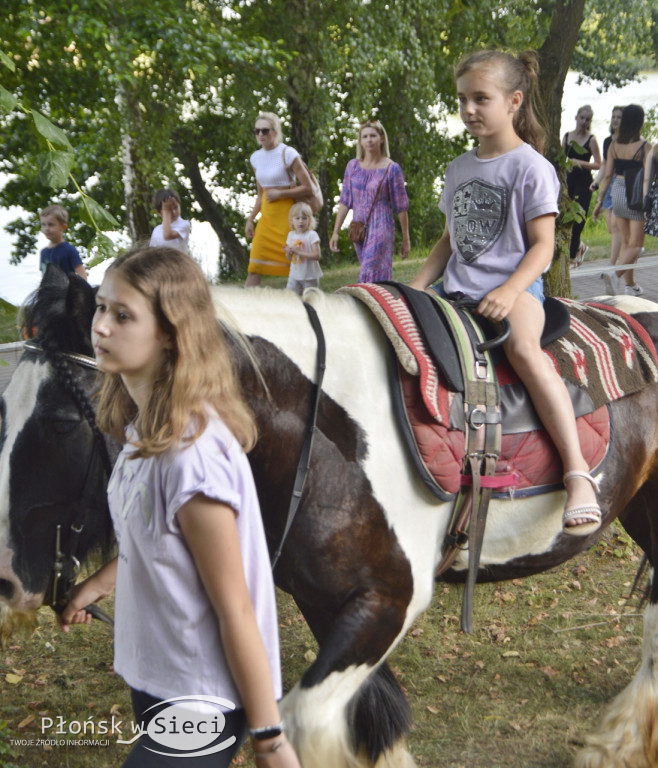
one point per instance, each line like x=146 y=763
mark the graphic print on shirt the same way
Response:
x=296 y=258
x=480 y=211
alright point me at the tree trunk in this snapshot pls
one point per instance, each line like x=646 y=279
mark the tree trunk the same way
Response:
x=232 y=249
x=555 y=57
x=136 y=188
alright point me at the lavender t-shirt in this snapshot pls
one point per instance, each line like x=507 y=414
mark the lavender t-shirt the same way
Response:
x=487 y=205
x=167 y=640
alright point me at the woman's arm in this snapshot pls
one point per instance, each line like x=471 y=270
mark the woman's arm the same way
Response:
x=340 y=218
x=435 y=264
x=405 y=248
x=249 y=226
x=595 y=163
x=607 y=180
x=211 y=533
x=648 y=168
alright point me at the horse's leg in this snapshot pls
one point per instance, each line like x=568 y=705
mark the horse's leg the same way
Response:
x=349 y=716
x=628 y=733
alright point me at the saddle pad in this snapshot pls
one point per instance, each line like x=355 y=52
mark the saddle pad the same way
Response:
x=605 y=351
x=530 y=456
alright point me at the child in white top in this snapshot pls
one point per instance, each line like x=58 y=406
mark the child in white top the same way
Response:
x=195 y=610
x=500 y=202
x=174 y=232
x=303 y=249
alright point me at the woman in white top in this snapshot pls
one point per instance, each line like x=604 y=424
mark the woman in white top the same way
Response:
x=274 y=164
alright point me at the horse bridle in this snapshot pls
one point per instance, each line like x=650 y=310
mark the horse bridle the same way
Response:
x=66 y=567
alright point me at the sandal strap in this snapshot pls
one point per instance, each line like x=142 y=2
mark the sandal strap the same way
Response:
x=584 y=475
x=587 y=512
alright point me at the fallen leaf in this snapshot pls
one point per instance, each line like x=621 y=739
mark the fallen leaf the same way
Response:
x=433 y=710
x=510 y=654
x=13 y=679
x=549 y=671
x=25 y=721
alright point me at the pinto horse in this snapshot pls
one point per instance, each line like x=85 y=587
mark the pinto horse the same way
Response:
x=361 y=554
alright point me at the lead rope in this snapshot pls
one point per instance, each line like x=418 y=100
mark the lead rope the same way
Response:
x=304 y=463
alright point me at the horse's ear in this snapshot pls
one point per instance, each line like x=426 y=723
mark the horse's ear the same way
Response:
x=80 y=304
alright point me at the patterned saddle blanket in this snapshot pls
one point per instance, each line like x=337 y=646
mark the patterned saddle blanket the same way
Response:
x=605 y=355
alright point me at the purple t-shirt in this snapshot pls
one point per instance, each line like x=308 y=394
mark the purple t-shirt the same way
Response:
x=64 y=254
x=167 y=640
x=488 y=204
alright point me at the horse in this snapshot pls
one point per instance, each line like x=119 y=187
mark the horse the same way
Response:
x=361 y=553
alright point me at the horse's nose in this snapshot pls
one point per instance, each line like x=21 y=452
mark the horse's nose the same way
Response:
x=7 y=589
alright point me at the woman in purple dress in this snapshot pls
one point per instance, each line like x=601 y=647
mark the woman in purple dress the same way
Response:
x=374 y=189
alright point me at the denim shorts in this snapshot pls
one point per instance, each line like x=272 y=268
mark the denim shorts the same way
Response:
x=536 y=290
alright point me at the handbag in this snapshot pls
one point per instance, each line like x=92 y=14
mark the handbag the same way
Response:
x=357 y=229
x=634 y=183
x=315 y=199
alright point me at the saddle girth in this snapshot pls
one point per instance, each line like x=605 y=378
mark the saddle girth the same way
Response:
x=482 y=428
x=483 y=435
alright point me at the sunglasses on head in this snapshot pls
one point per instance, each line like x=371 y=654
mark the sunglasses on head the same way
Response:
x=264 y=131
x=370 y=124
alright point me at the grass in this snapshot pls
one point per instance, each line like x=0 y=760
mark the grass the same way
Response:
x=547 y=653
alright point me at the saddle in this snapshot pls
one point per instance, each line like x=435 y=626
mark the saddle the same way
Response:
x=601 y=353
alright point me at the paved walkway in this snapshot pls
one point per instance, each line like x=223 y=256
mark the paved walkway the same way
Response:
x=586 y=281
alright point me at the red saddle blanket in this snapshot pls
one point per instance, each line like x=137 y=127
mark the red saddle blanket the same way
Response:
x=605 y=352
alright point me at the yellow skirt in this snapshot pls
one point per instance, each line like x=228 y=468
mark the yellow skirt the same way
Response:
x=267 y=256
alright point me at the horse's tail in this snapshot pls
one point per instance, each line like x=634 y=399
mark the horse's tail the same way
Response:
x=379 y=715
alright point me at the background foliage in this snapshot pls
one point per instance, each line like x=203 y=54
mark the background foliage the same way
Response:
x=166 y=93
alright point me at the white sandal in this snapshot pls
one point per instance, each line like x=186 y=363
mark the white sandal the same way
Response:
x=591 y=513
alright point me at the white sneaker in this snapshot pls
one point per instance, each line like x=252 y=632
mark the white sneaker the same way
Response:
x=634 y=290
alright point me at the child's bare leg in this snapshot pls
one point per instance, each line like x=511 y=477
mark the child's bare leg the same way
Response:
x=548 y=394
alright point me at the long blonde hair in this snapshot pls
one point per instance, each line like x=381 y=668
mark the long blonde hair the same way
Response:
x=197 y=372
x=517 y=73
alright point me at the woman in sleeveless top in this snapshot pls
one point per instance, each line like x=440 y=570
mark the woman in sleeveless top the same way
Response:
x=273 y=165
x=627 y=150
x=581 y=147
x=611 y=281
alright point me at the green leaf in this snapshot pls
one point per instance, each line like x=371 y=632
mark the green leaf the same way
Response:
x=56 y=168
x=96 y=216
x=50 y=132
x=7 y=100
x=102 y=249
x=7 y=61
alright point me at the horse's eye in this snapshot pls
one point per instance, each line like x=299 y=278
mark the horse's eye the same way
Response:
x=63 y=427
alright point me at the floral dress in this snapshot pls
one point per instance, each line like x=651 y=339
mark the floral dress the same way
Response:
x=360 y=186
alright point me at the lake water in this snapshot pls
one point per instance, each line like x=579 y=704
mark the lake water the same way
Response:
x=17 y=282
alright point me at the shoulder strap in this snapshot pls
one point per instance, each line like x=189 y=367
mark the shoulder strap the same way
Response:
x=283 y=157
x=374 y=200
